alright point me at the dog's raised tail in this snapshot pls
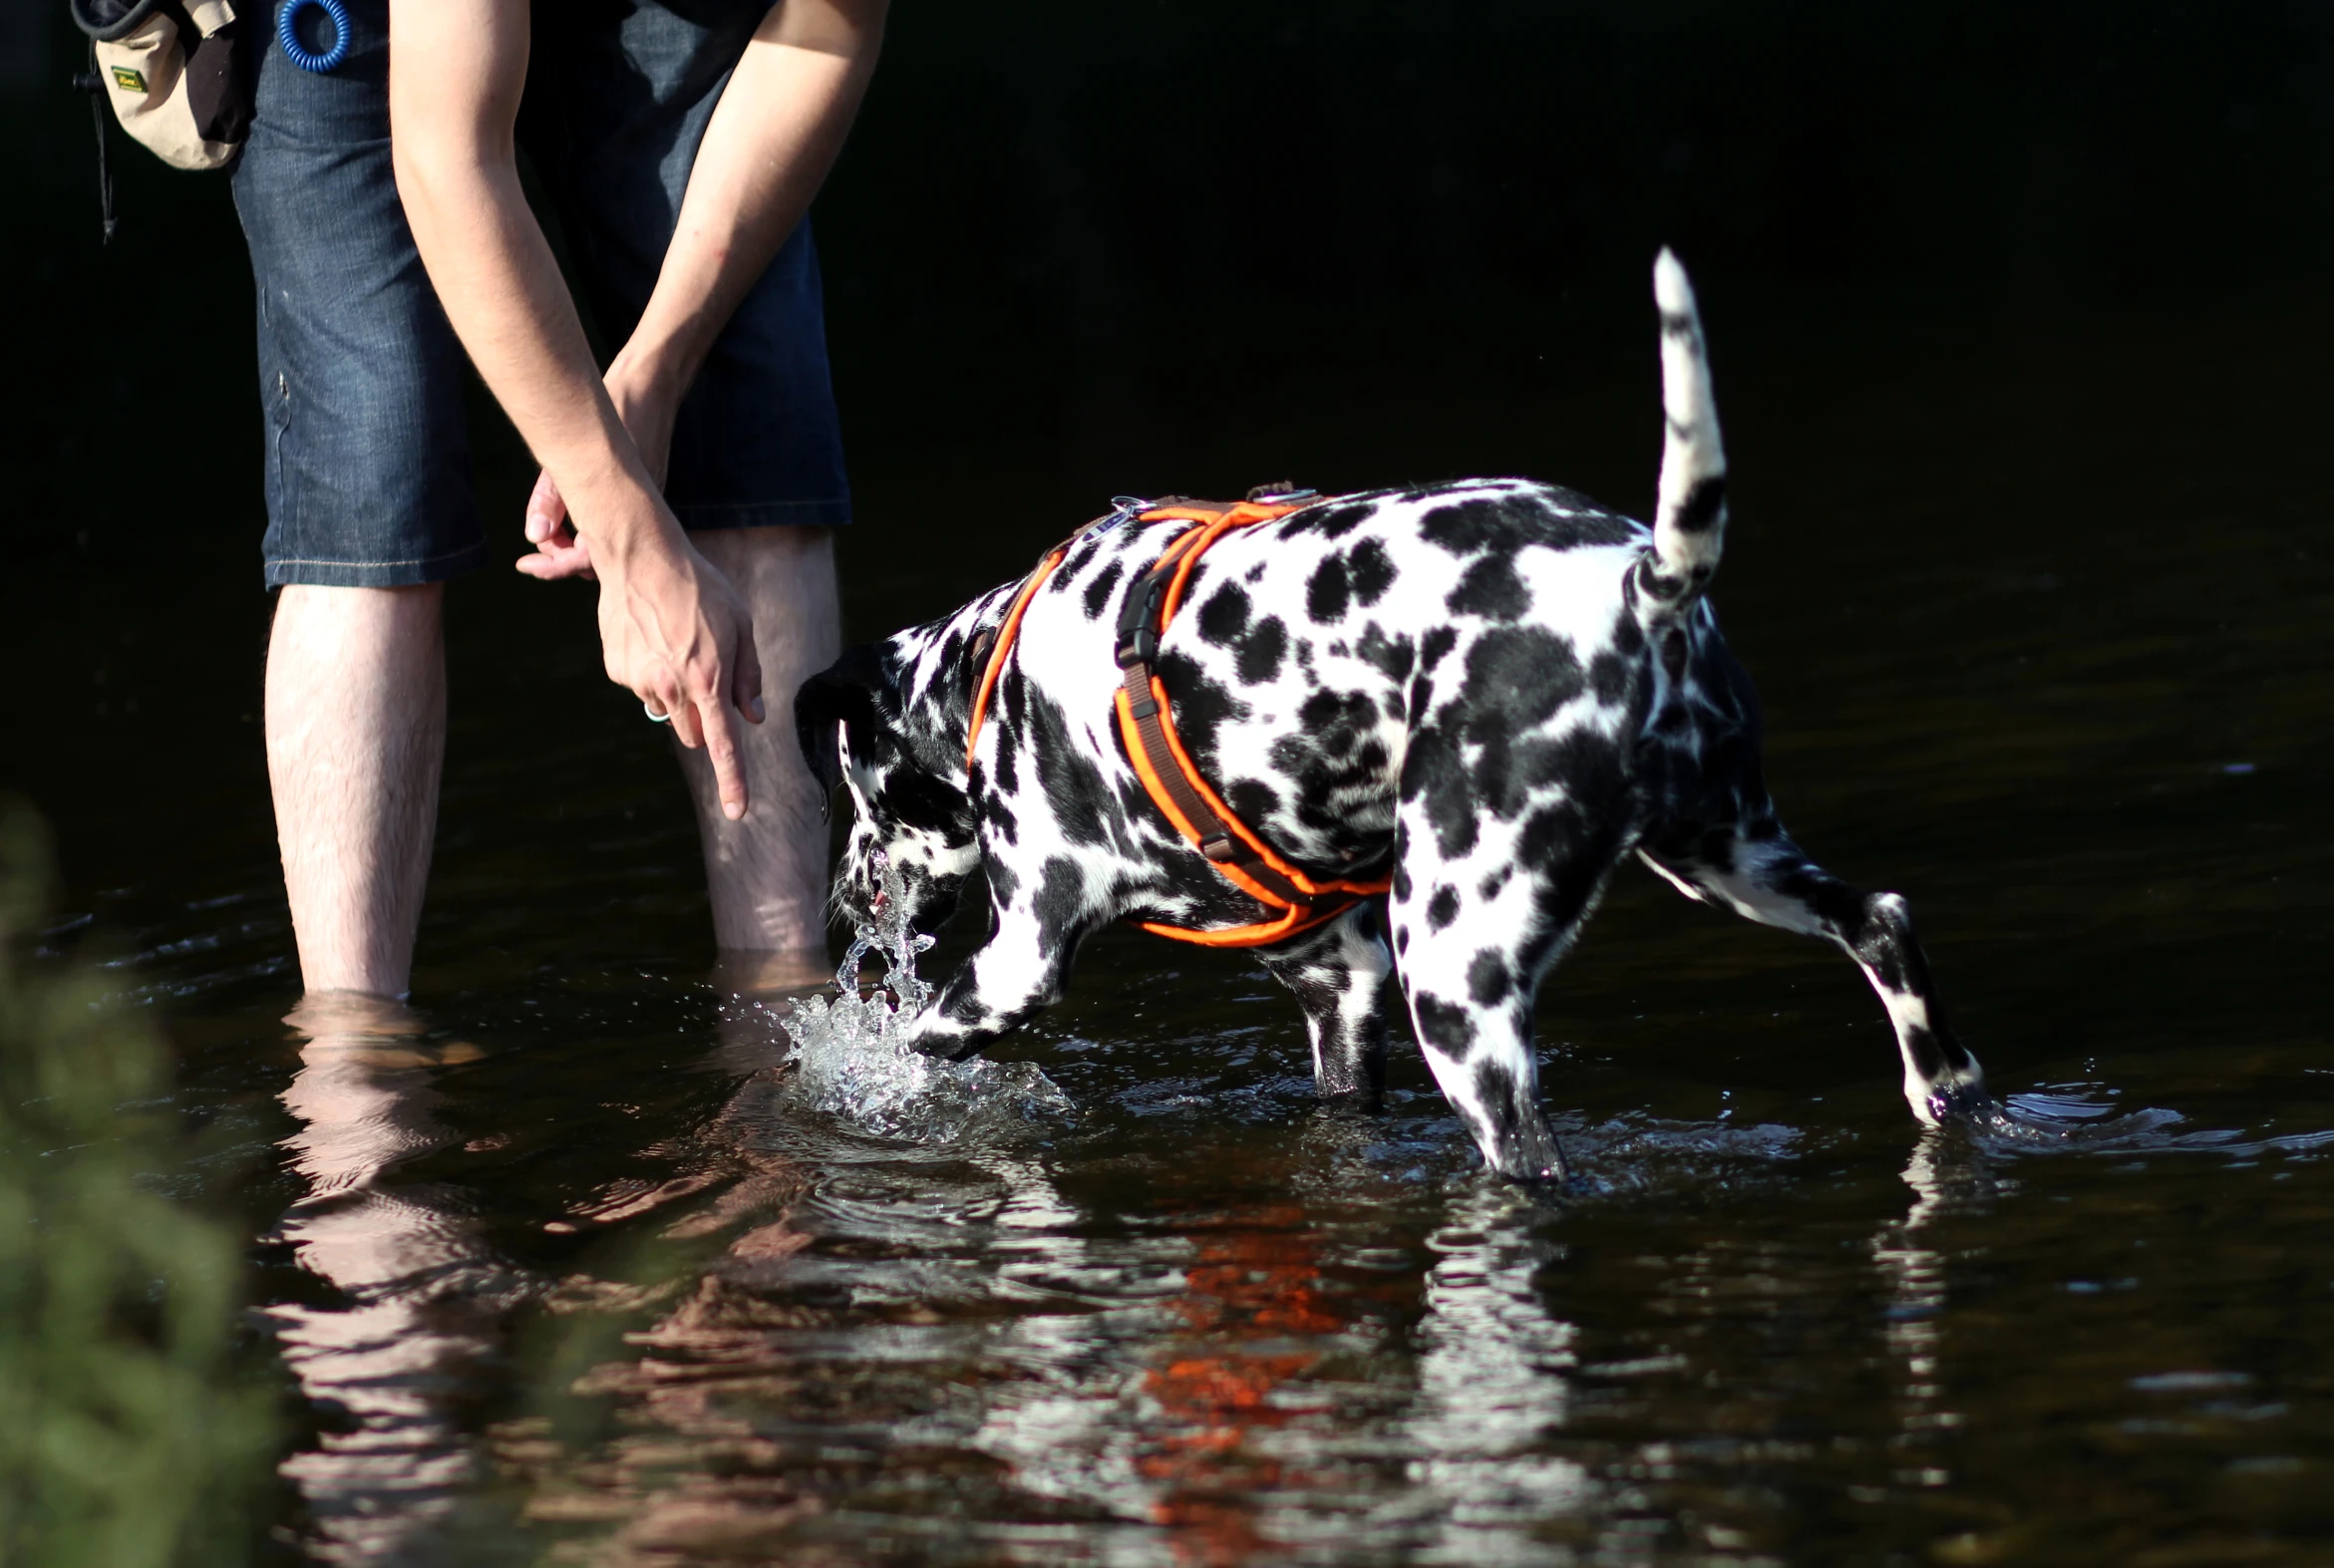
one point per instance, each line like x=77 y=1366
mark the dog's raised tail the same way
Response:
x=1689 y=528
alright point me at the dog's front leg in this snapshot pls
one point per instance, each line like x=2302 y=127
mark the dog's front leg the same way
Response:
x=1338 y=973
x=1019 y=969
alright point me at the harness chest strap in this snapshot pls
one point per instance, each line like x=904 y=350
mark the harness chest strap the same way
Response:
x=1146 y=725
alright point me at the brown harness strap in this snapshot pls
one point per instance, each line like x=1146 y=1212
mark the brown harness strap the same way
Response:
x=1146 y=725
x=1175 y=782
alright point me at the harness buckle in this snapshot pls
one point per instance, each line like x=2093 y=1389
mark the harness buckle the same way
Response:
x=1217 y=848
x=1140 y=648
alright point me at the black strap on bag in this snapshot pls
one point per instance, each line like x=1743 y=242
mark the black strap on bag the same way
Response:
x=91 y=83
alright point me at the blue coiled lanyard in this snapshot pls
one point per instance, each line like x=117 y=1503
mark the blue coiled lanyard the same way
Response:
x=307 y=59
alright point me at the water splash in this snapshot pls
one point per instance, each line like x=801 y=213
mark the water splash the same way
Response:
x=855 y=1060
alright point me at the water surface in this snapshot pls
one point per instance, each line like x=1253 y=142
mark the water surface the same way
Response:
x=562 y=1264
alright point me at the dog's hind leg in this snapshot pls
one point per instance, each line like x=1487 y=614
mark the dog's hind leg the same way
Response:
x=1762 y=874
x=1338 y=971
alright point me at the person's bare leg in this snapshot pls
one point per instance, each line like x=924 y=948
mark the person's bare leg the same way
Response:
x=768 y=875
x=355 y=738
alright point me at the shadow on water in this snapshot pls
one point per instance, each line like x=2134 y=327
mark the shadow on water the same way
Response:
x=2021 y=353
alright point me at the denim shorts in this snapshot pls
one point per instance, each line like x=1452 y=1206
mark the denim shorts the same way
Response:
x=361 y=380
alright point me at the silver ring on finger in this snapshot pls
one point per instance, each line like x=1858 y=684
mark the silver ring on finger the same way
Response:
x=655 y=717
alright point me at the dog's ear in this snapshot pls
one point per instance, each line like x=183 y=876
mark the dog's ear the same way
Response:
x=843 y=694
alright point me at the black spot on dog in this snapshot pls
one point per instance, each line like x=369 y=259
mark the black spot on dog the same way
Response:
x=1225 y=615
x=1491 y=590
x=1467 y=526
x=1673 y=652
x=1261 y=652
x=1073 y=785
x=1079 y=558
x=1001 y=820
x=1336 y=721
x=1134 y=803
x=1003 y=884
x=909 y=796
x=1060 y=904
x=1486 y=978
x=1434 y=644
x=1442 y=908
x=1445 y=1025
x=1008 y=774
x=1704 y=501
x=1332 y=522
x=1496 y=1088
x=1491 y=887
x=1098 y=592
x=1252 y=800
x=1203 y=706
x=1628 y=636
x=1554 y=835
x=1372 y=571
x=1434 y=774
x=1547 y=515
x=1587 y=763
x=1327 y=591
x=1608 y=676
x=1401 y=881
x=1392 y=657
x=1521 y=674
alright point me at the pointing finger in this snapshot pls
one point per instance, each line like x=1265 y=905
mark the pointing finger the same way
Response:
x=721 y=746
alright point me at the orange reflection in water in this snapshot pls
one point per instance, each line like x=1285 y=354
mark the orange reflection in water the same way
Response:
x=1250 y=1299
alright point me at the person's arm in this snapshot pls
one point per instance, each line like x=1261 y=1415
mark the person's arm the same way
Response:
x=774 y=136
x=671 y=627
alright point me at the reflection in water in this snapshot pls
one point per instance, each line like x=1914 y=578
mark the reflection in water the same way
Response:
x=1493 y=1384
x=1252 y=1311
x=1945 y=1179
x=419 y=1293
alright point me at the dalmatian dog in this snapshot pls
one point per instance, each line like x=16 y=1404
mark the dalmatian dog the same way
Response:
x=1495 y=690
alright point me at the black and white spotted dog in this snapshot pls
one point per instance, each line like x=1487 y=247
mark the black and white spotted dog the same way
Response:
x=1497 y=688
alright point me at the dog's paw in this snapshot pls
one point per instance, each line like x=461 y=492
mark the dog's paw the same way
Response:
x=1963 y=1100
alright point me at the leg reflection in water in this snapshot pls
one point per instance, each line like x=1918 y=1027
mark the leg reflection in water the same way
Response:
x=395 y=1356
x=419 y=1294
x=1945 y=1181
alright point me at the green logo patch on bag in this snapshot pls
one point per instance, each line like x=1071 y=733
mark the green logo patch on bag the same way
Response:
x=129 y=80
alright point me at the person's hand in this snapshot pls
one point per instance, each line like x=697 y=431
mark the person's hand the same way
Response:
x=646 y=404
x=675 y=632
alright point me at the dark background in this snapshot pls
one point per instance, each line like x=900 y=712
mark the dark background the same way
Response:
x=1078 y=250
x=1110 y=233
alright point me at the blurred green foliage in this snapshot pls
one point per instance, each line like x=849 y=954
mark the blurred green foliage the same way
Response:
x=127 y=1435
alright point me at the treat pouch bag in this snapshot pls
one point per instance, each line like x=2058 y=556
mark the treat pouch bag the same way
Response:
x=175 y=73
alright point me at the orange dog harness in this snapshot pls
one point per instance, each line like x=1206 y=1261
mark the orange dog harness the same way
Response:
x=1146 y=725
